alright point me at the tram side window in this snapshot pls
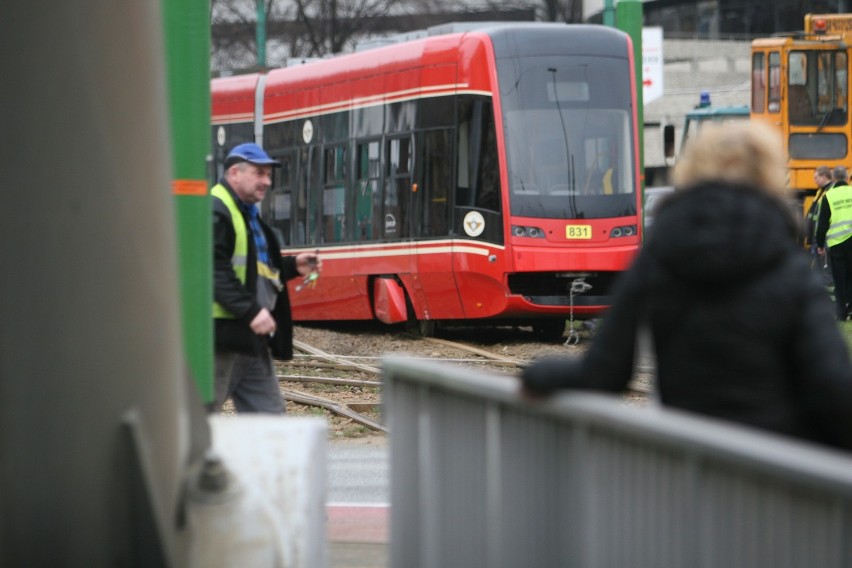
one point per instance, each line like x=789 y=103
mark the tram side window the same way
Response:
x=478 y=179
x=333 y=195
x=275 y=208
x=437 y=177
x=774 y=81
x=488 y=192
x=367 y=203
x=758 y=83
x=397 y=185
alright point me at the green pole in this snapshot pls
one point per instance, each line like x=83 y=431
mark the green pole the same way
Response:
x=628 y=16
x=609 y=13
x=187 y=38
x=260 y=34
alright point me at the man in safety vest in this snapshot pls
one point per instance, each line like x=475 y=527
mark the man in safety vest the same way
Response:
x=824 y=182
x=251 y=307
x=819 y=262
x=834 y=229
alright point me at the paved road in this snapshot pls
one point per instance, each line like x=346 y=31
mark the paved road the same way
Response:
x=358 y=471
x=358 y=498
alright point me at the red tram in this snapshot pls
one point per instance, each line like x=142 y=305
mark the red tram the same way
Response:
x=489 y=174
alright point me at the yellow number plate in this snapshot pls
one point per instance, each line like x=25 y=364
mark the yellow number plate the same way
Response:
x=578 y=231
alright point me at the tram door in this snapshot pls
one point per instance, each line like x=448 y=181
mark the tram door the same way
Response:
x=398 y=159
x=306 y=198
x=396 y=210
x=430 y=222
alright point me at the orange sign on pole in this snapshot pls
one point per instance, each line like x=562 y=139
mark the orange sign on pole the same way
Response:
x=189 y=187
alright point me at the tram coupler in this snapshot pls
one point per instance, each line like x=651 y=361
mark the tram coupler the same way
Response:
x=573 y=337
x=578 y=286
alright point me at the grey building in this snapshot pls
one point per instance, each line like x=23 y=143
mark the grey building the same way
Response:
x=720 y=68
x=718 y=19
x=706 y=48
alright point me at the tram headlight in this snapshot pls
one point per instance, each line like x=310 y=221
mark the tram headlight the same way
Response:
x=623 y=231
x=531 y=232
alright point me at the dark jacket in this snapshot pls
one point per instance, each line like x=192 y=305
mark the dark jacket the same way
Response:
x=743 y=329
x=812 y=216
x=241 y=300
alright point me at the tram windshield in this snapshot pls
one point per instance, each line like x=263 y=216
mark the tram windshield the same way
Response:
x=568 y=136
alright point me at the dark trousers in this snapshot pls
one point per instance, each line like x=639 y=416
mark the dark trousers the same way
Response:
x=821 y=264
x=841 y=269
x=250 y=381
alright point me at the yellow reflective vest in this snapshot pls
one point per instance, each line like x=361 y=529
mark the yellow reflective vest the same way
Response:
x=240 y=254
x=840 y=201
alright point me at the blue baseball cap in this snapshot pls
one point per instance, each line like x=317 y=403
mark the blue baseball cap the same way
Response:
x=249 y=152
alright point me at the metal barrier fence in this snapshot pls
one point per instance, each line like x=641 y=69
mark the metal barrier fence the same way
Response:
x=483 y=478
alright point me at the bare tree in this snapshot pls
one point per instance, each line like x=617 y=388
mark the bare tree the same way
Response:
x=318 y=28
x=570 y=11
x=332 y=24
x=295 y=28
x=234 y=24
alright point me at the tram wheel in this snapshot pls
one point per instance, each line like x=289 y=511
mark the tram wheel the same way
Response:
x=427 y=328
x=549 y=329
x=423 y=328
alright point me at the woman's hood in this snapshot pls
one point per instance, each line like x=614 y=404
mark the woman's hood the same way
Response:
x=720 y=234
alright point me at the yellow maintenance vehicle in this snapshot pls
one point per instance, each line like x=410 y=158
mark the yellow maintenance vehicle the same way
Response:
x=800 y=83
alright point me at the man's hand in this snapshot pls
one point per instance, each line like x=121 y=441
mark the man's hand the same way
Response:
x=308 y=262
x=263 y=323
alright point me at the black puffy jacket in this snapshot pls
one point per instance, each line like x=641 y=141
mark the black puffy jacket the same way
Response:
x=742 y=328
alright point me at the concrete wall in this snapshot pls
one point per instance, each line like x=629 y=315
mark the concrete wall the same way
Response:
x=721 y=68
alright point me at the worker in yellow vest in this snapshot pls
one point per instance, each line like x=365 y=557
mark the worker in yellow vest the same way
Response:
x=824 y=182
x=834 y=230
x=251 y=307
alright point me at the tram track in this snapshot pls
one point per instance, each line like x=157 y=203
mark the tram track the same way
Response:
x=347 y=382
x=485 y=354
x=634 y=386
x=325 y=360
x=333 y=406
x=315 y=358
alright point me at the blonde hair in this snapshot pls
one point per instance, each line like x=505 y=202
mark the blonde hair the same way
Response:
x=744 y=152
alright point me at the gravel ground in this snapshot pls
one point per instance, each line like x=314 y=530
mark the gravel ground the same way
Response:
x=373 y=339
